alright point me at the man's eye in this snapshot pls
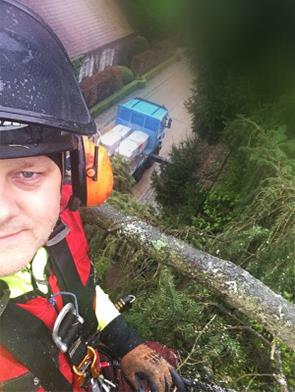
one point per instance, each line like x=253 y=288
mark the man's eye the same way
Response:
x=28 y=175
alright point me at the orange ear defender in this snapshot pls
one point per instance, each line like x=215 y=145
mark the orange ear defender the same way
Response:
x=92 y=176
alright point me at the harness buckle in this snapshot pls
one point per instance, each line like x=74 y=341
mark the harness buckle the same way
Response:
x=68 y=337
x=56 y=336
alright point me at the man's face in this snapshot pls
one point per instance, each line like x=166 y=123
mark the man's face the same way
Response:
x=29 y=208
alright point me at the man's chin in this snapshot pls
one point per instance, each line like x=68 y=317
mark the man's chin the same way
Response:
x=18 y=252
x=14 y=261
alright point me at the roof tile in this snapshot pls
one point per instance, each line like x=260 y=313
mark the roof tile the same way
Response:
x=82 y=26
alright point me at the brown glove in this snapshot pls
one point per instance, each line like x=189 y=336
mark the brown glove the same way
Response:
x=143 y=363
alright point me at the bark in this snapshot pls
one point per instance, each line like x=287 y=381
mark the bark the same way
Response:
x=238 y=288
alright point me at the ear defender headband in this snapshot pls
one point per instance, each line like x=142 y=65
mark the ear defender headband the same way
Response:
x=92 y=176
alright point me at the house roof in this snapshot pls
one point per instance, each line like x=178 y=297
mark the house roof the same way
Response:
x=82 y=25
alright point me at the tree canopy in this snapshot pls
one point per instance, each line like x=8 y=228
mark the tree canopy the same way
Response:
x=154 y=19
x=240 y=206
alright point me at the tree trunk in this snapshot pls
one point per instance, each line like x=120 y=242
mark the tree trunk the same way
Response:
x=238 y=288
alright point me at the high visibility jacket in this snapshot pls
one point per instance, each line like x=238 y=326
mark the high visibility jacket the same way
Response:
x=13 y=374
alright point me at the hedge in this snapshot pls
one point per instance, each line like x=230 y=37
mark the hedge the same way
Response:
x=130 y=88
x=101 y=85
x=143 y=62
x=154 y=71
x=138 y=45
x=116 y=97
x=127 y=74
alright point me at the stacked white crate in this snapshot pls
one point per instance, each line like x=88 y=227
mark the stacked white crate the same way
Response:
x=112 y=139
x=133 y=145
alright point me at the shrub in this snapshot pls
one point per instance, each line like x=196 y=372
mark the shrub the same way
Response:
x=101 y=85
x=142 y=62
x=177 y=188
x=164 y=49
x=127 y=74
x=123 y=181
x=77 y=63
x=138 y=45
x=116 y=97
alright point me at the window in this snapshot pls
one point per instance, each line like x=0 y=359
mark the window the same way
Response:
x=87 y=68
x=83 y=70
x=91 y=66
x=97 y=62
x=107 y=58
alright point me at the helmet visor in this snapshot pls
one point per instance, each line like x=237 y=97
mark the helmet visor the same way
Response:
x=18 y=141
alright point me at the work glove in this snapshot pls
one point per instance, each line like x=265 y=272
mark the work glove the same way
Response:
x=143 y=363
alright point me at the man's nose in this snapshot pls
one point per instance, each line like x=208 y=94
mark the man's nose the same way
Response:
x=9 y=207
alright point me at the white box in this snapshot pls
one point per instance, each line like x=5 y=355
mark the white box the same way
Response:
x=112 y=138
x=128 y=149
x=133 y=145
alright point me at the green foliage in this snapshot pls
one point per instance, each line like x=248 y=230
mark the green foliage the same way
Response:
x=213 y=103
x=176 y=187
x=166 y=307
x=77 y=63
x=123 y=181
x=138 y=45
x=248 y=216
x=126 y=74
x=217 y=343
x=195 y=322
x=245 y=66
x=127 y=203
x=116 y=97
x=263 y=232
x=102 y=260
x=101 y=85
x=159 y=68
x=243 y=55
x=143 y=62
x=154 y=19
x=217 y=211
x=165 y=48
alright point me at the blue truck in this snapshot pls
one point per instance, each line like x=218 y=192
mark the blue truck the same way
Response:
x=138 y=134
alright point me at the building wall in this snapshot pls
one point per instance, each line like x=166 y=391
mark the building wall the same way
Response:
x=108 y=55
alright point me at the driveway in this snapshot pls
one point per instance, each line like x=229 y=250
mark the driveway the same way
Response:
x=171 y=88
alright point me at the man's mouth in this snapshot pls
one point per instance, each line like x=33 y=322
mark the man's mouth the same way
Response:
x=11 y=235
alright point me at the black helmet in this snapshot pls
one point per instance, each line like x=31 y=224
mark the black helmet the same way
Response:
x=37 y=82
x=23 y=140
x=42 y=110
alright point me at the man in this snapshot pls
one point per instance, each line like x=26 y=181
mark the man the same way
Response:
x=50 y=308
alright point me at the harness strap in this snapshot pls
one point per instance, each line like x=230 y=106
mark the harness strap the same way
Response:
x=26 y=382
x=64 y=268
x=28 y=339
x=19 y=330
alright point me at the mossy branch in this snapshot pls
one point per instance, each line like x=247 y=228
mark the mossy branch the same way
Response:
x=240 y=289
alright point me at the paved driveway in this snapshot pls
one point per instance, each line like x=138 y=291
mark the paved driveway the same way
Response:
x=171 y=88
